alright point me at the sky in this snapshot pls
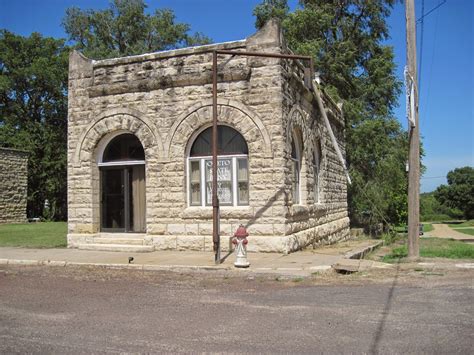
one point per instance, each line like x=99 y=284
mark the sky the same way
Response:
x=446 y=56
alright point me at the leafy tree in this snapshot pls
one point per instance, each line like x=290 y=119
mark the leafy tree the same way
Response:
x=432 y=210
x=125 y=29
x=459 y=193
x=33 y=111
x=345 y=39
x=33 y=85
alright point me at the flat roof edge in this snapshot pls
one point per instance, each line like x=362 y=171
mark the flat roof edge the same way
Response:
x=169 y=53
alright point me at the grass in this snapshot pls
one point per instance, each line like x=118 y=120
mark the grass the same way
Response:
x=34 y=235
x=469 y=223
x=427 y=227
x=469 y=231
x=435 y=248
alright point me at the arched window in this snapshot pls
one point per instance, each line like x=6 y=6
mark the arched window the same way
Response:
x=296 y=154
x=122 y=174
x=232 y=168
x=317 y=171
x=124 y=147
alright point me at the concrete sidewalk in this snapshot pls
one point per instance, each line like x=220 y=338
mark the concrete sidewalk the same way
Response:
x=302 y=263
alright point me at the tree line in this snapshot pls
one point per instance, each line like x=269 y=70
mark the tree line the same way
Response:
x=345 y=38
x=34 y=85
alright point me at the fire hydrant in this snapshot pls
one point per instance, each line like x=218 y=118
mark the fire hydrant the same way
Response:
x=240 y=241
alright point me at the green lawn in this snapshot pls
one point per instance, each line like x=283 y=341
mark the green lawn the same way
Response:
x=435 y=248
x=427 y=227
x=469 y=231
x=34 y=235
x=469 y=223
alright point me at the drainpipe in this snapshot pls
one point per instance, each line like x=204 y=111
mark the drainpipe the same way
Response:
x=329 y=129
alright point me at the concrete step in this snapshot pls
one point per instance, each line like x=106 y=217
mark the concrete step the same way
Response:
x=121 y=241
x=117 y=247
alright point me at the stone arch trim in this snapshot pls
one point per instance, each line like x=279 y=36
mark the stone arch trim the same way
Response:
x=297 y=118
x=230 y=112
x=118 y=120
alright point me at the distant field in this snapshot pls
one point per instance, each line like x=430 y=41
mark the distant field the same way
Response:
x=34 y=235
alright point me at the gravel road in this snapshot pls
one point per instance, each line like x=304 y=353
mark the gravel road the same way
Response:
x=49 y=310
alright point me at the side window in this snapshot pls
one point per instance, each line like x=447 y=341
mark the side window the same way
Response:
x=317 y=172
x=296 y=153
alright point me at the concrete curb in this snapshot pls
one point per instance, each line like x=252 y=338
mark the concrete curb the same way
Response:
x=281 y=271
x=360 y=253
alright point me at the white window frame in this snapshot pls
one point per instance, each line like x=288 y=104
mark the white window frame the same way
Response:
x=202 y=166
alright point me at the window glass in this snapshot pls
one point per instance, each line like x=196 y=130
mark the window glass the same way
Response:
x=243 y=181
x=224 y=181
x=295 y=168
x=195 y=182
x=316 y=171
x=229 y=142
x=232 y=169
x=122 y=148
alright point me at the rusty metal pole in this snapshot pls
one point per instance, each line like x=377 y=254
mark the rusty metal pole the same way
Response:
x=215 y=200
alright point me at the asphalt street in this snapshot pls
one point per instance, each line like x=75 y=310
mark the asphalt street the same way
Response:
x=50 y=310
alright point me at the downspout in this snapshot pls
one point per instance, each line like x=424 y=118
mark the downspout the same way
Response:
x=329 y=129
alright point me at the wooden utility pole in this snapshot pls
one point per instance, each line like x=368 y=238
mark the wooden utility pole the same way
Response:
x=414 y=138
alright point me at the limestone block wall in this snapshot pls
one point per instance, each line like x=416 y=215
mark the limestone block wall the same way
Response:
x=312 y=222
x=13 y=185
x=164 y=98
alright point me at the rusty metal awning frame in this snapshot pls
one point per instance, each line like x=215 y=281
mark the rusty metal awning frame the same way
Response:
x=309 y=83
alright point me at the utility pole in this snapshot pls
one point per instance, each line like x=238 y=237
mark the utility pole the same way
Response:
x=414 y=137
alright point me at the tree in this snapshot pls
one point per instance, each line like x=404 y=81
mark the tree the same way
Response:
x=33 y=85
x=33 y=111
x=345 y=39
x=125 y=29
x=432 y=210
x=459 y=193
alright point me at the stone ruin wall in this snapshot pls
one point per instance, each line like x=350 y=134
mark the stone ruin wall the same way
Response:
x=13 y=185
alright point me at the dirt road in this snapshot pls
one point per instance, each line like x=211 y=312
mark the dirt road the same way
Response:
x=47 y=310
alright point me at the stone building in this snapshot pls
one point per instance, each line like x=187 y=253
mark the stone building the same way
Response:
x=13 y=185
x=139 y=167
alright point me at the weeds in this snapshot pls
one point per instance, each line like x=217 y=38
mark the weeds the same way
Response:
x=435 y=248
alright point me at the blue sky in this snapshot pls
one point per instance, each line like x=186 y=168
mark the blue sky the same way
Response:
x=446 y=97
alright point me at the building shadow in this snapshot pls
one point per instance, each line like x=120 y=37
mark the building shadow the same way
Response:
x=374 y=349
x=281 y=191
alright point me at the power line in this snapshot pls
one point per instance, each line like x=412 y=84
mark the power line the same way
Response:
x=429 y=12
x=422 y=23
x=433 y=177
x=430 y=70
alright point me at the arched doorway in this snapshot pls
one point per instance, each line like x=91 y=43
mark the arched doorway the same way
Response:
x=122 y=175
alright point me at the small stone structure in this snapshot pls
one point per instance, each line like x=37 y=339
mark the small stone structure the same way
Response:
x=138 y=151
x=13 y=185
